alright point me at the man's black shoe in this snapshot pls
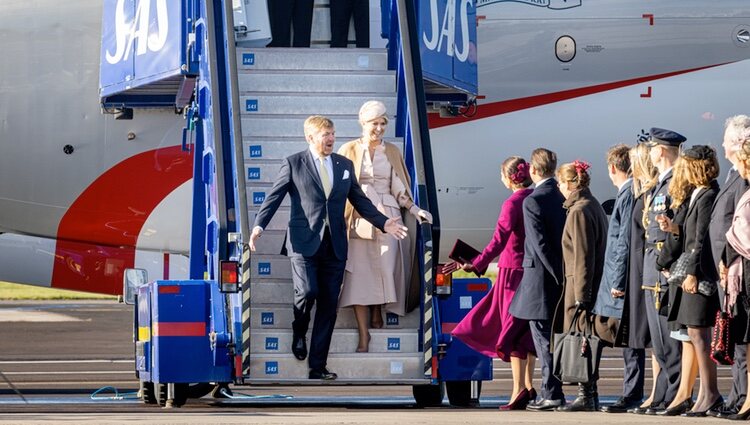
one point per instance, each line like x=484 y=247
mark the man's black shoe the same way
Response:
x=322 y=374
x=622 y=405
x=655 y=407
x=722 y=414
x=545 y=405
x=299 y=347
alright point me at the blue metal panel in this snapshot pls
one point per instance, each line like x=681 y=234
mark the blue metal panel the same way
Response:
x=448 y=43
x=182 y=351
x=143 y=41
x=461 y=363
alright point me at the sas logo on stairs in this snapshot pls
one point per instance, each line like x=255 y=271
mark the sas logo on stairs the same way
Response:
x=394 y=344
x=264 y=269
x=272 y=368
x=248 y=58
x=391 y=319
x=272 y=344
x=266 y=318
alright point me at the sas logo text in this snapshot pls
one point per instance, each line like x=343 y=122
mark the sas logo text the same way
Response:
x=148 y=33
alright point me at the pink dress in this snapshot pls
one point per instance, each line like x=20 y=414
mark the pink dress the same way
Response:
x=489 y=328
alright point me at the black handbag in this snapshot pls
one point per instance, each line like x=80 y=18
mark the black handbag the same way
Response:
x=722 y=345
x=678 y=270
x=678 y=274
x=574 y=359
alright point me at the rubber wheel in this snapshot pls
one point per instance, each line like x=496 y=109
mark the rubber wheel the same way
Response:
x=147 y=393
x=180 y=394
x=199 y=390
x=459 y=393
x=429 y=395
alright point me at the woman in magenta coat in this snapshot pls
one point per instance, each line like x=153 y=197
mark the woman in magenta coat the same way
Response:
x=489 y=328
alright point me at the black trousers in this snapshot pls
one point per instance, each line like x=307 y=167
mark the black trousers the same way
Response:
x=341 y=13
x=317 y=278
x=634 y=373
x=287 y=14
x=541 y=333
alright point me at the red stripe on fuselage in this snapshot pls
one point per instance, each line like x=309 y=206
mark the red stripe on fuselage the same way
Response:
x=97 y=235
x=488 y=110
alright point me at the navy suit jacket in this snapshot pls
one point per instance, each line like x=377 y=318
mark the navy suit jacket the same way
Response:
x=541 y=285
x=615 y=275
x=299 y=178
x=721 y=216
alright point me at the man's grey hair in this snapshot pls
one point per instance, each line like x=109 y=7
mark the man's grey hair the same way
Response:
x=736 y=133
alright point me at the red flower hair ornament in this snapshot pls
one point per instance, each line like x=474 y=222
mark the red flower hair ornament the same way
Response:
x=581 y=166
x=521 y=174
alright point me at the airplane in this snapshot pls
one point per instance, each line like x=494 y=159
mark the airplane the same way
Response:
x=84 y=195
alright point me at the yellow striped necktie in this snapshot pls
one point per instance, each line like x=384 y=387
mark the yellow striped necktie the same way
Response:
x=324 y=177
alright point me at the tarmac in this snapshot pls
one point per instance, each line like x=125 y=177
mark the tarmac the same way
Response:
x=58 y=354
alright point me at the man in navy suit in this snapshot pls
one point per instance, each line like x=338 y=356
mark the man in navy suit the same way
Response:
x=318 y=182
x=737 y=129
x=610 y=300
x=541 y=285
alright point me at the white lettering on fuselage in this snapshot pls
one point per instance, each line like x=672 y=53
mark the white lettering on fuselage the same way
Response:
x=447 y=31
x=128 y=32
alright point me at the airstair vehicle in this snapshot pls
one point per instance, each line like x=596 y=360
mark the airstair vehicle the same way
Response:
x=244 y=106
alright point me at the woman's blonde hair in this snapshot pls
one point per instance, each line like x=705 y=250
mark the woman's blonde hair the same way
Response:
x=696 y=166
x=645 y=175
x=743 y=154
x=576 y=173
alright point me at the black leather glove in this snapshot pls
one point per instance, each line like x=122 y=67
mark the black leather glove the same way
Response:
x=583 y=305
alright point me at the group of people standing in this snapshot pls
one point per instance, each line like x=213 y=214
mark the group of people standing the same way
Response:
x=673 y=252
x=291 y=22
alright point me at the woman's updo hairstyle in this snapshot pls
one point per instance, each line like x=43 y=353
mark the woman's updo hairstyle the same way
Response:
x=516 y=170
x=576 y=173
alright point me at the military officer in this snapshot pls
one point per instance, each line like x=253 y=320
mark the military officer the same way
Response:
x=664 y=149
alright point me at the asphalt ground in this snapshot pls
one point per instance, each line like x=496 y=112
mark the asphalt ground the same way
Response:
x=58 y=353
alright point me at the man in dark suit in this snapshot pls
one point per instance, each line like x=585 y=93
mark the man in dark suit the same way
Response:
x=318 y=182
x=737 y=129
x=610 y=300
x=664 y=148
x=541 y=285
x=287 y=14
x=342 y=11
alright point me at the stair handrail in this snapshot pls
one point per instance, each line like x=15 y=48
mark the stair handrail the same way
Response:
x=412 y=125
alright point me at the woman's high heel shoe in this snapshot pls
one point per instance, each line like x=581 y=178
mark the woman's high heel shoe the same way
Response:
x=716 y=405
x=739 y=416
x=532 y=394
x=522 y=399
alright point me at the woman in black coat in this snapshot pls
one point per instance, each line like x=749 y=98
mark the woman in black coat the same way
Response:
x=693 y=190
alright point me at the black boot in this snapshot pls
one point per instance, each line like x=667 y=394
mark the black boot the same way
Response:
x=587 y=400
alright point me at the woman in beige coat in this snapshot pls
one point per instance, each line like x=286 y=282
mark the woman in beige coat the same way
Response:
x=584 y=242
x=379 y=267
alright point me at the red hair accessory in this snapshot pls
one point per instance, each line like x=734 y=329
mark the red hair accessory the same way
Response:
x=521 y=174
x=581 y=166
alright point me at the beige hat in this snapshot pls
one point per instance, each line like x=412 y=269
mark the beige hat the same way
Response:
x=371 y=110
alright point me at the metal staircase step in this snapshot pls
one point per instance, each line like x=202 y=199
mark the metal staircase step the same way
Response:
x=263 y=125
x=283 y=103
x=274 y=149
x=312 y=59
x=270 y=267
x=280 y=220
x=271 y=242
x=279 y=341
x=280 y=316
x=318 y=81
x=375 y=366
